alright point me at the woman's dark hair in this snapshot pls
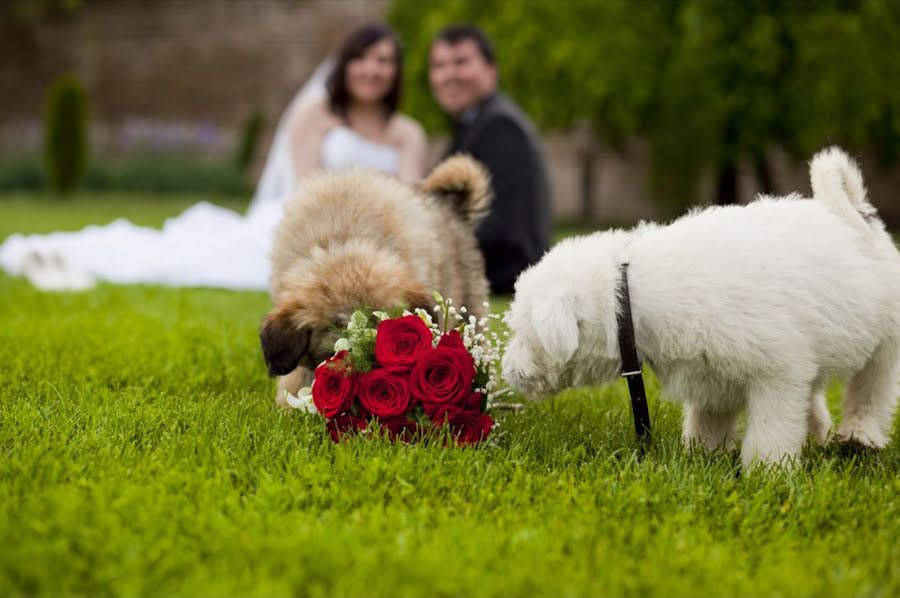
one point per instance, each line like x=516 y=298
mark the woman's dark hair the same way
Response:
x=356 y=44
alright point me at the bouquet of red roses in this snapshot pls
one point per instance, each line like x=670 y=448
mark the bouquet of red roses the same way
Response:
x=410 y=376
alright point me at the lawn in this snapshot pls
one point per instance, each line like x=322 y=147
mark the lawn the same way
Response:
x=140 y=454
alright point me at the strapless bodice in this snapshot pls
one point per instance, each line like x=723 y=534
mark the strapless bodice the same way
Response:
x=343 y=148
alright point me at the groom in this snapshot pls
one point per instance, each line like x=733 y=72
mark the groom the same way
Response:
x=489 y=126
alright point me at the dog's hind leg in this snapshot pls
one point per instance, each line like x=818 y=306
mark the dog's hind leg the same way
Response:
x=819 y=417
x=711 y=430
x=777 y=420
x=870 y=399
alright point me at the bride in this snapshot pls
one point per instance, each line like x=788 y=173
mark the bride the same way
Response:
x=344 y=117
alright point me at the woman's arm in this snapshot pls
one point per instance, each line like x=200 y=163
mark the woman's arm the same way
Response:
x=307 y=129
x=413 y=149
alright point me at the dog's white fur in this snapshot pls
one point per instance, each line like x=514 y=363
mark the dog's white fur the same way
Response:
x=754 y=307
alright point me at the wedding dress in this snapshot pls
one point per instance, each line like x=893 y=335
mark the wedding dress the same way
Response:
x=206 y=245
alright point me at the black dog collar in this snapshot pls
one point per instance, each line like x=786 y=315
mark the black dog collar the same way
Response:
x=631 y=363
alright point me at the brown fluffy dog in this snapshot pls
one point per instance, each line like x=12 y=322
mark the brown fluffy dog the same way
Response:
x=364 y=240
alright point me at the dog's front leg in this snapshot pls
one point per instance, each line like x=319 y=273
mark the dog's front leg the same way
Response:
x=291 y=384
x=777 y=421
x=709 y=429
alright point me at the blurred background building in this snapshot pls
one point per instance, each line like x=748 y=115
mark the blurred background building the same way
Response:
x=646 y=108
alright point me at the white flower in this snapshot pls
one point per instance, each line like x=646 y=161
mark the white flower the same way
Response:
x=381 y=315
x=303 y=401
x=426 y=317
x=358 y=321
x=341 y=344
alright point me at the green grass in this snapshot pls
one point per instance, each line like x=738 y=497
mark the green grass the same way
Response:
x=33 y=213
x=140 y=454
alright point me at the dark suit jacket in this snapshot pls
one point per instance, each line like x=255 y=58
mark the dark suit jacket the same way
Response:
x=516 y=232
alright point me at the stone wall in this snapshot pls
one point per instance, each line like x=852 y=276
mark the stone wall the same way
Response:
x=201 y=64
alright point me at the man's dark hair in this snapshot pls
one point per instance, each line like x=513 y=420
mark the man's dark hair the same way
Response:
x=356 y=44
x=454 y=34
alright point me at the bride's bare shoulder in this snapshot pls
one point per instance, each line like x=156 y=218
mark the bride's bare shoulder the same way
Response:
x=314 y=113
x=405 y=130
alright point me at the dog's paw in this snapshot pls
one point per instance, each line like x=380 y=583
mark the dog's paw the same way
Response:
x=861 y=439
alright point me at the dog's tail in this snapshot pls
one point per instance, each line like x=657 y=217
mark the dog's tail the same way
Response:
x=465 y=183
x=838 y=183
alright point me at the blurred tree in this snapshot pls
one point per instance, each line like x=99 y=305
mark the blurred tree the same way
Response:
x=562 y=62
x=65 y=131
x=709 y=82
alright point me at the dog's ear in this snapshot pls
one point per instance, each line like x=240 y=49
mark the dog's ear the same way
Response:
x=417 y=298
x=283 y=343
x=556 y=326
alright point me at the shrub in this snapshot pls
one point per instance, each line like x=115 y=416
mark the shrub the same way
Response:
x=250 y=134
x=168 y=173
x=65 y=134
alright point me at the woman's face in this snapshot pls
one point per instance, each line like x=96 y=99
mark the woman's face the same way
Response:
x=370 y=77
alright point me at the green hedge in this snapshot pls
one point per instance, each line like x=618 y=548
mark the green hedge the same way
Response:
x=164 y=174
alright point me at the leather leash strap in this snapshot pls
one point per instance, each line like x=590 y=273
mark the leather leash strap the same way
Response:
x=631 y=363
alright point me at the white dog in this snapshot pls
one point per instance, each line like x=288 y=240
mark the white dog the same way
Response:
x=754 y=307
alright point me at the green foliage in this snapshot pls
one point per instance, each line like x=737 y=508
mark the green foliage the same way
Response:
x=361 y=333
x=66 y=134
x=250 y=134
x=843 y=84
x=708 y=82
x=597 y=64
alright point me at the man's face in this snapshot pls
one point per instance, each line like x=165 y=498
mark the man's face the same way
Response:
x=460 y=77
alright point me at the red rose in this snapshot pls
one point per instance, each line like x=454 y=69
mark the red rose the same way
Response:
x=452 y=340
x=400 y=342
x=467 y=426
x=400 y=427
x=332 y=389
x=444 y=376
x=473 y=403
x=383 y=394
x=344 y=424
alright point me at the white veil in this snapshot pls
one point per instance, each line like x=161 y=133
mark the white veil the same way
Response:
x=278 y=178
